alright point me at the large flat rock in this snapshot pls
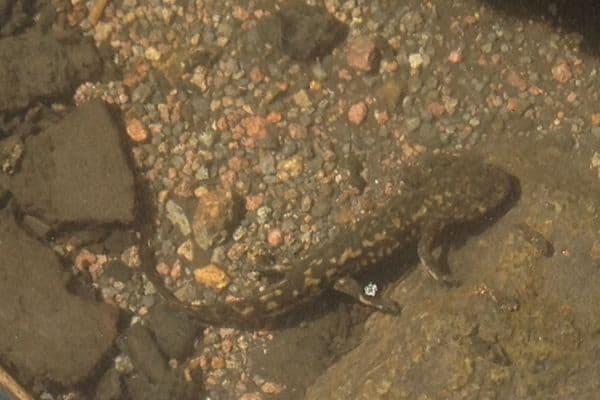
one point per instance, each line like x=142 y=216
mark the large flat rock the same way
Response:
x=35 y=65
x=77 y=171
x=523 y=323
x=47 y=333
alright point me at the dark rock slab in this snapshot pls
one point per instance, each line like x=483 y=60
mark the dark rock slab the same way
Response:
x=304 y=32
x=174 y=331
x=47 y=333
x=153 y=379
x=76 y=171
x=13 y=16
x=35 y=65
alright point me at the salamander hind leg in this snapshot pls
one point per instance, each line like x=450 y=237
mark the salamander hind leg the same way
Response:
x=428 y=242
x=352 y=288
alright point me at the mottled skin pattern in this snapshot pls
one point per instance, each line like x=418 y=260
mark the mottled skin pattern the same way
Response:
x=441 y=192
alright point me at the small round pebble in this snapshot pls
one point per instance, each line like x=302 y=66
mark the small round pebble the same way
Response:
x=272 y=388
x=361 y=54
x=136 y=130
x=455 y=56
x=561 y=72
x=212 y=277
x=275 y=237
x=357 y=113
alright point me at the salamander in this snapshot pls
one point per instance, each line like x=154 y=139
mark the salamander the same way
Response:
x=435 y=195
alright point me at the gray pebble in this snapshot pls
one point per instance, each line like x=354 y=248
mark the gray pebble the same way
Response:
x=263 y=213
x=141 y=93
x=176 y=215
x=207 y=139
x=202 y=173
x=412 y=124
x=267 y=163
x=239 y=233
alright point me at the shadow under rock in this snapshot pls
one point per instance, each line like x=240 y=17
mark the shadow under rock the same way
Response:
x=580 y=16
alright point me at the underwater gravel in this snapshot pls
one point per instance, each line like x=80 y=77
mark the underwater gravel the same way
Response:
x=287 y=150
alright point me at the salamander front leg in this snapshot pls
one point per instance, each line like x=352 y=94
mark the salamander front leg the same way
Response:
x=352 y=288
x=431 y=263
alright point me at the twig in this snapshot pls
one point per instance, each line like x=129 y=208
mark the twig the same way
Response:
x=13 y=388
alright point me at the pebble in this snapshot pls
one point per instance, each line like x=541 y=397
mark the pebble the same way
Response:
x=176 y=270
x=152 y=54
x=186 y=250
x=11 y=152
x=515 y=80
x=436 y=109
x=267 y=163
x=198 y=78
x=162 y=268
x=301 y=99
x=149 y=288
x=450 y=104
x=141 y=93
x=272 y=388
x=516 y=105
x=415 y=60
x=212 y=277
x=562 y=72
x=176 y=215
x=123 y=364
x=131 y=257
x=390 y=94
x=455 y=57
x=362 y=54
x=412 y=124
x=136 y=130
x=214 y=214
x=357 y=113
x=256 y=74
x=239 y=233
x=227 y=345
x=217 y=362
x=253 y=202
x=275 y=237
x=263 y=214
x=202 y=173
x=255 y=129
x=102 y=31
x=290 y=168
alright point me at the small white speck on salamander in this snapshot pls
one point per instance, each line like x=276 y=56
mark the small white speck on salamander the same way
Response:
x=371 y=289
